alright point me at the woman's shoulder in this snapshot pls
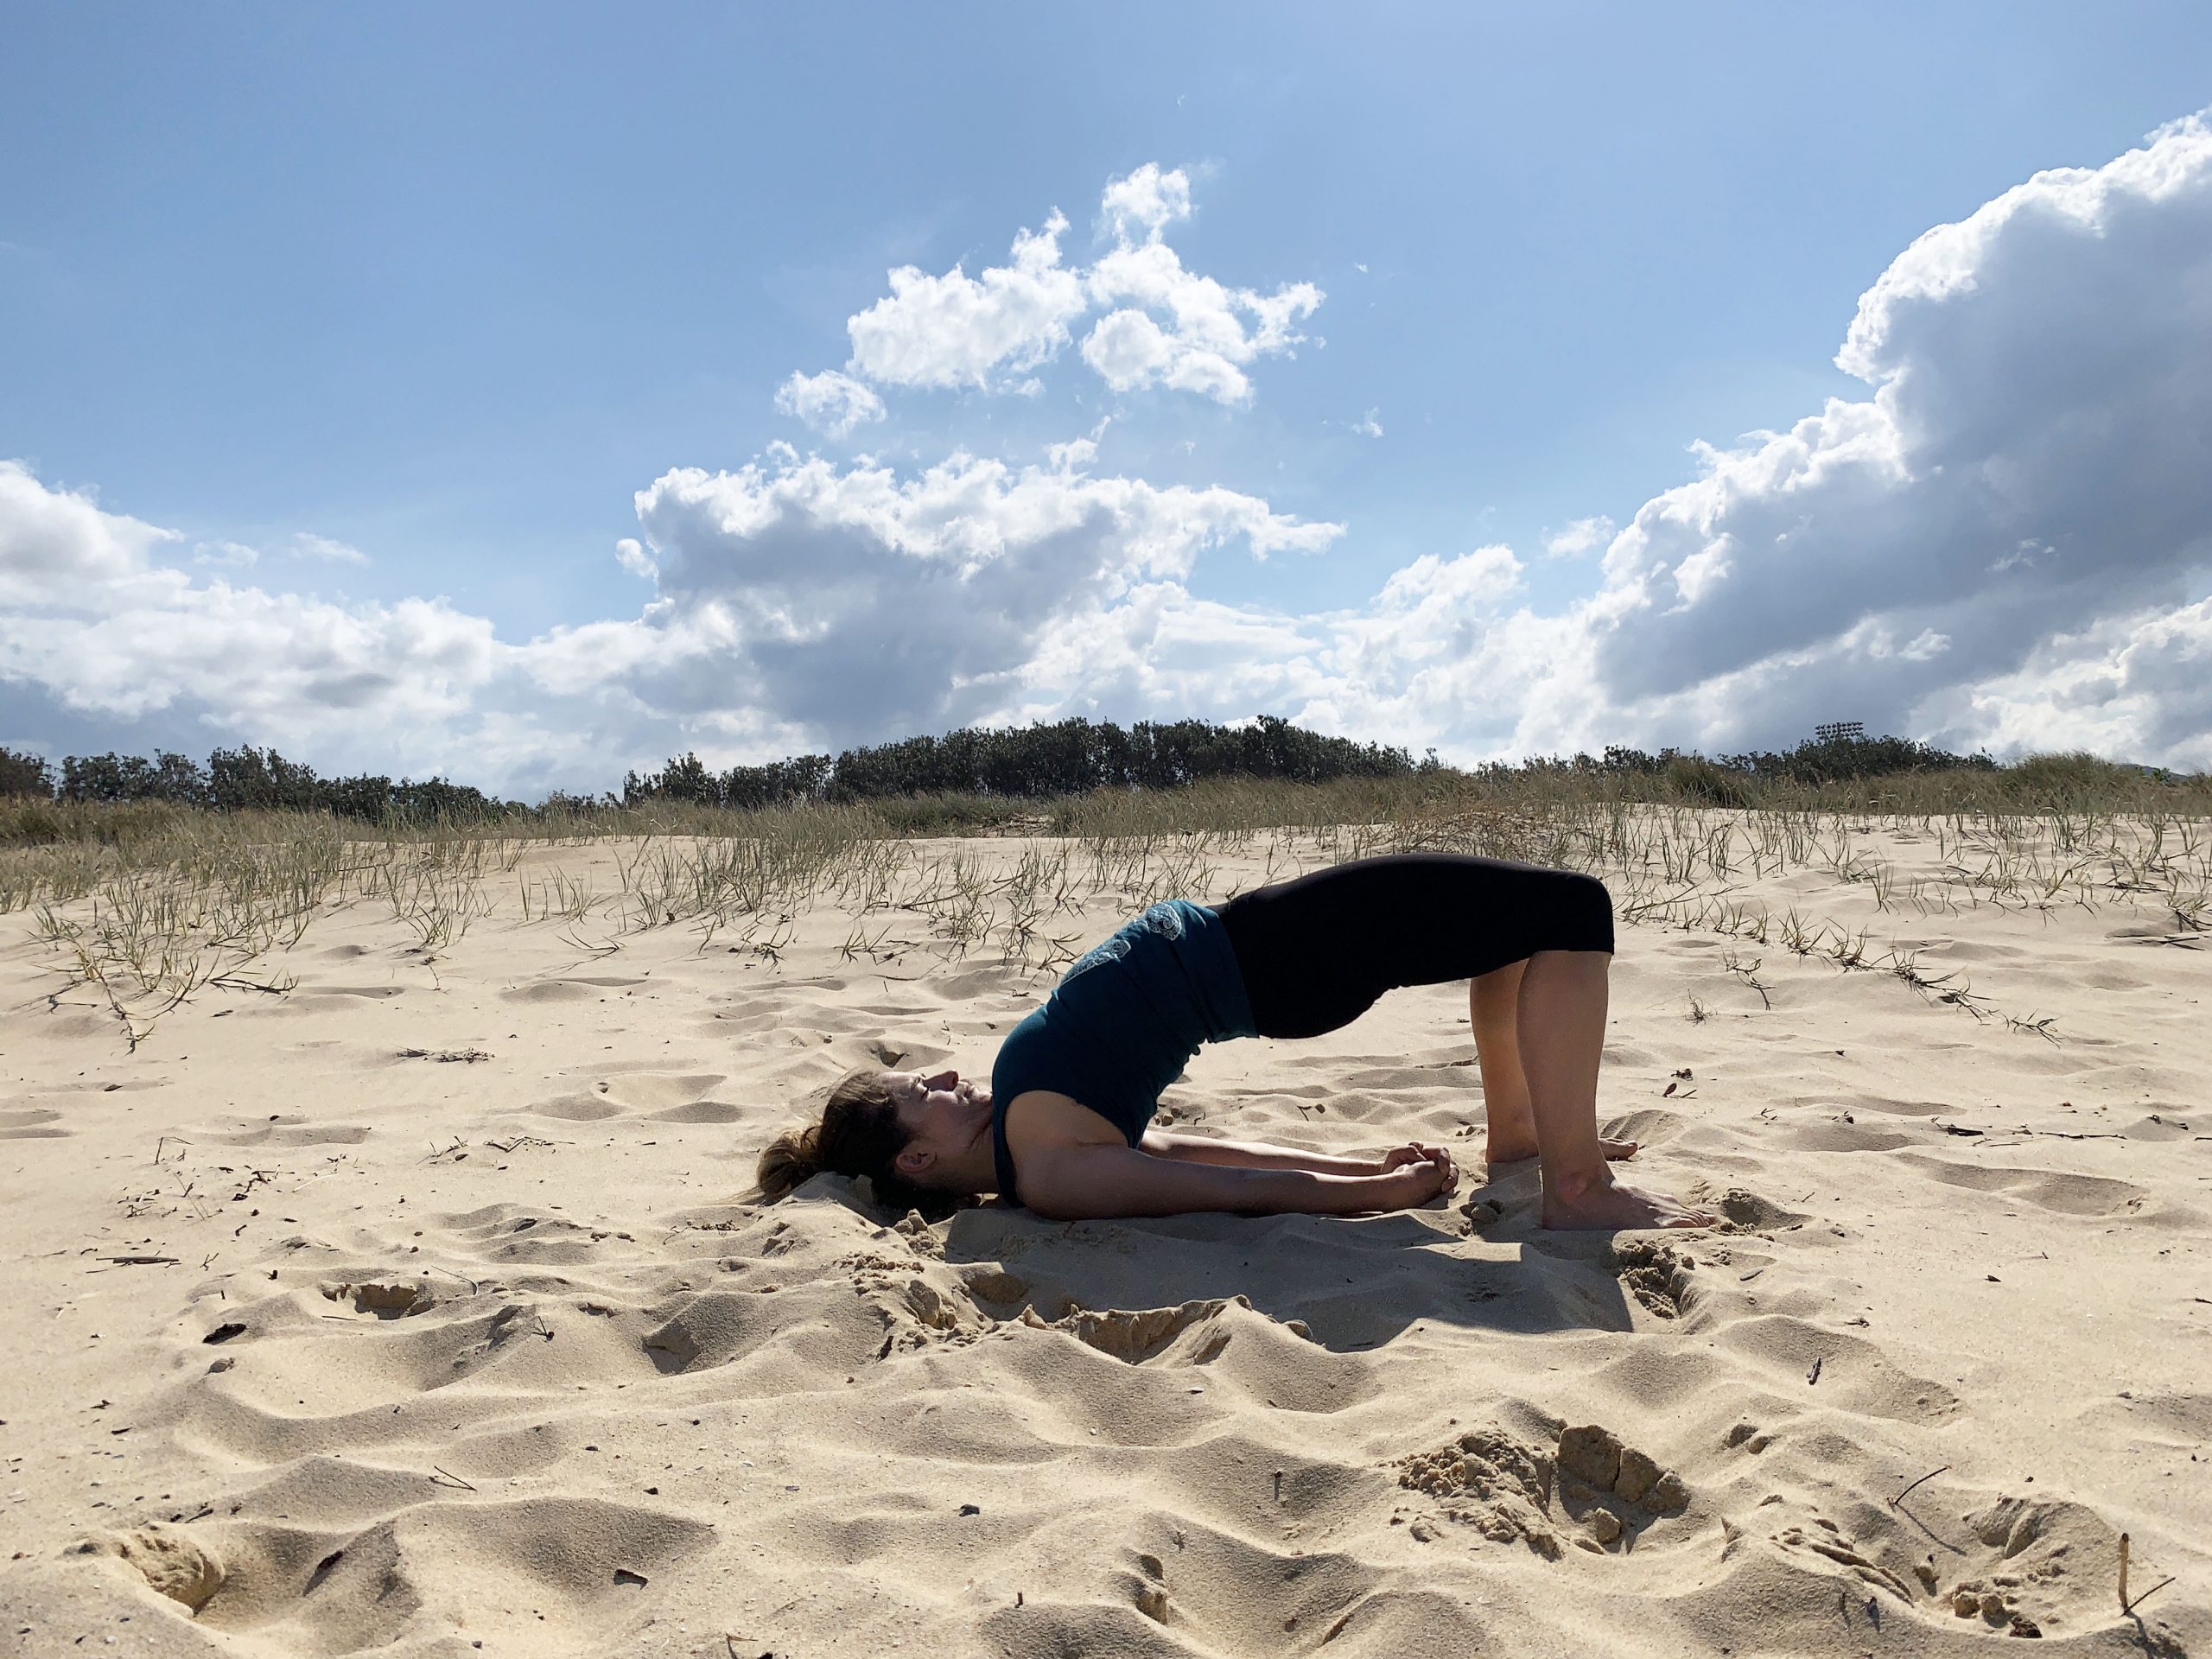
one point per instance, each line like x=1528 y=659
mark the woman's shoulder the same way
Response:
x=1036 y=1118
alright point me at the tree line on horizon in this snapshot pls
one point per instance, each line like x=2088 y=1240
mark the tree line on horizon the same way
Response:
x=1067 y=757
x=1039 y=762
x=237 y=780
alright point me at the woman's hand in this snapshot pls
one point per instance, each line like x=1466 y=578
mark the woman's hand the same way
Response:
x=1413 y=1173
x=1414 y=1152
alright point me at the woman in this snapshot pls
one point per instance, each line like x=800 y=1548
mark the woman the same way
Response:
x=1063 y=1126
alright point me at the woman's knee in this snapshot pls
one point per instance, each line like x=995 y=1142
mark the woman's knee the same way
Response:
x=1584 y=913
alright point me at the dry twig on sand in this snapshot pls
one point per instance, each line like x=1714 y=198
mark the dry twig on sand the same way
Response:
x=1930 y=1476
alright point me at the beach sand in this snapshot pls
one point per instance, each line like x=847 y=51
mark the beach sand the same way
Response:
x=416 y=1310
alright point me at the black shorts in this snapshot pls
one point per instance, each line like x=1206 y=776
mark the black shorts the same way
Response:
x=1316 y=952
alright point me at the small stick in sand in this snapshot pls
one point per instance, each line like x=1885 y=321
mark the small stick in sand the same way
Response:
x=2146 y=1596
x=1931 y=1475
x=2127 y=1606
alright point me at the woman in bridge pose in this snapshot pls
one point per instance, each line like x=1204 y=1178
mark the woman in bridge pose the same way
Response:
x=1064 y=1126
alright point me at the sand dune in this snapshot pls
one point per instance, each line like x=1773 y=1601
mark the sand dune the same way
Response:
x=414 y=1310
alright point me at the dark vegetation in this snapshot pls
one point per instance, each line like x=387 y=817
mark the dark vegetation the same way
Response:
x=1049 y=777
x=1070 y=757
x=239 y=780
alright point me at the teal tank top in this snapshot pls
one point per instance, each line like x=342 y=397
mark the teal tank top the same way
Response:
x=1124 y=1021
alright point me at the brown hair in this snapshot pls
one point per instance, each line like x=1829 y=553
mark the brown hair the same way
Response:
x=859 y=1134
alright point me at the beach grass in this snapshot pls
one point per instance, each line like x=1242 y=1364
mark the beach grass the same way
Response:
x=150 y=904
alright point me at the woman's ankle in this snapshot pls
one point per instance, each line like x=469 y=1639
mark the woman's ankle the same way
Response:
x=1569 y=1184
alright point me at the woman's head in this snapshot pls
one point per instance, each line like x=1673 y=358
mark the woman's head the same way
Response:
x=921 y=1138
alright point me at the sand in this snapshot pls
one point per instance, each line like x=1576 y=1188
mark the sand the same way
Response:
x=416 y=1310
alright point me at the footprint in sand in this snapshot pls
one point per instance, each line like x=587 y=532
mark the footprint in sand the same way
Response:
x=32 y=1124
x=1004 y=1292
x=659 y=1092
x=1244 y=1350
x=416 y=1575
x=915 y=1313
x=2039 y=1559
x=260 y=1409
x=2023 y=1564
x=388 y=1299
x=576 y=1108
x=1745 y=1211
x=546 y=991
x=1849 y=1373
x=1189 y=1334
x=699 y=1111
x=807 y=1325
x=1489 y=1480
x=1588 y=1490
x=172 y=1561
x=1658 y=1275
x=72 y=1027
x=284 y=1132
x=1612 y=1487
x=1829 y=1542
x=2067 y=1194
x=1837 y=1129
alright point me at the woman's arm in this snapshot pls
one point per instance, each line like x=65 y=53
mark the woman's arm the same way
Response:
x=1252 y=1154
x=1084 y=1182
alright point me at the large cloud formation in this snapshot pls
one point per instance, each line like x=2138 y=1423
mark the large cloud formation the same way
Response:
x=2036 y=460
x=2008 y=541
x=852 y=600
x=90 y=618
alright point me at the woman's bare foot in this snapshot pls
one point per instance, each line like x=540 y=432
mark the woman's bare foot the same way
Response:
x=1496 y=1151
x=1606 y=1207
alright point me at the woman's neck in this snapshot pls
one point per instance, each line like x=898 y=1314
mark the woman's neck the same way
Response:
x=973 y=1173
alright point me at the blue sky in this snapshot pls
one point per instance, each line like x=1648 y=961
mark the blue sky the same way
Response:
x=387 y=318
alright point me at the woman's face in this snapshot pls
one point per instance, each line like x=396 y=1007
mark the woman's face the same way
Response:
x=944 y=1115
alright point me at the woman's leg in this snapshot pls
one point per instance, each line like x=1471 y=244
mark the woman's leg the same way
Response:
x=1317 y=951
x=1560 y=1023
x=1494 y=1012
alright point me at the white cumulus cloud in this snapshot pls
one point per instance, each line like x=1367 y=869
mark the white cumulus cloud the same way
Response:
x=1580 y=536
x=1139 y=208
x=1161 y=325
x=958 y=330
x=832 y=403
x=91 y=622
x=2036 y=454
x=239 y=556
x=1171 y=327
x=853 y=600
x=52 y=541
x=326 y=549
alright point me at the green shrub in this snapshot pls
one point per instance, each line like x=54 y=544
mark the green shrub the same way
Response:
x=1693 y=777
